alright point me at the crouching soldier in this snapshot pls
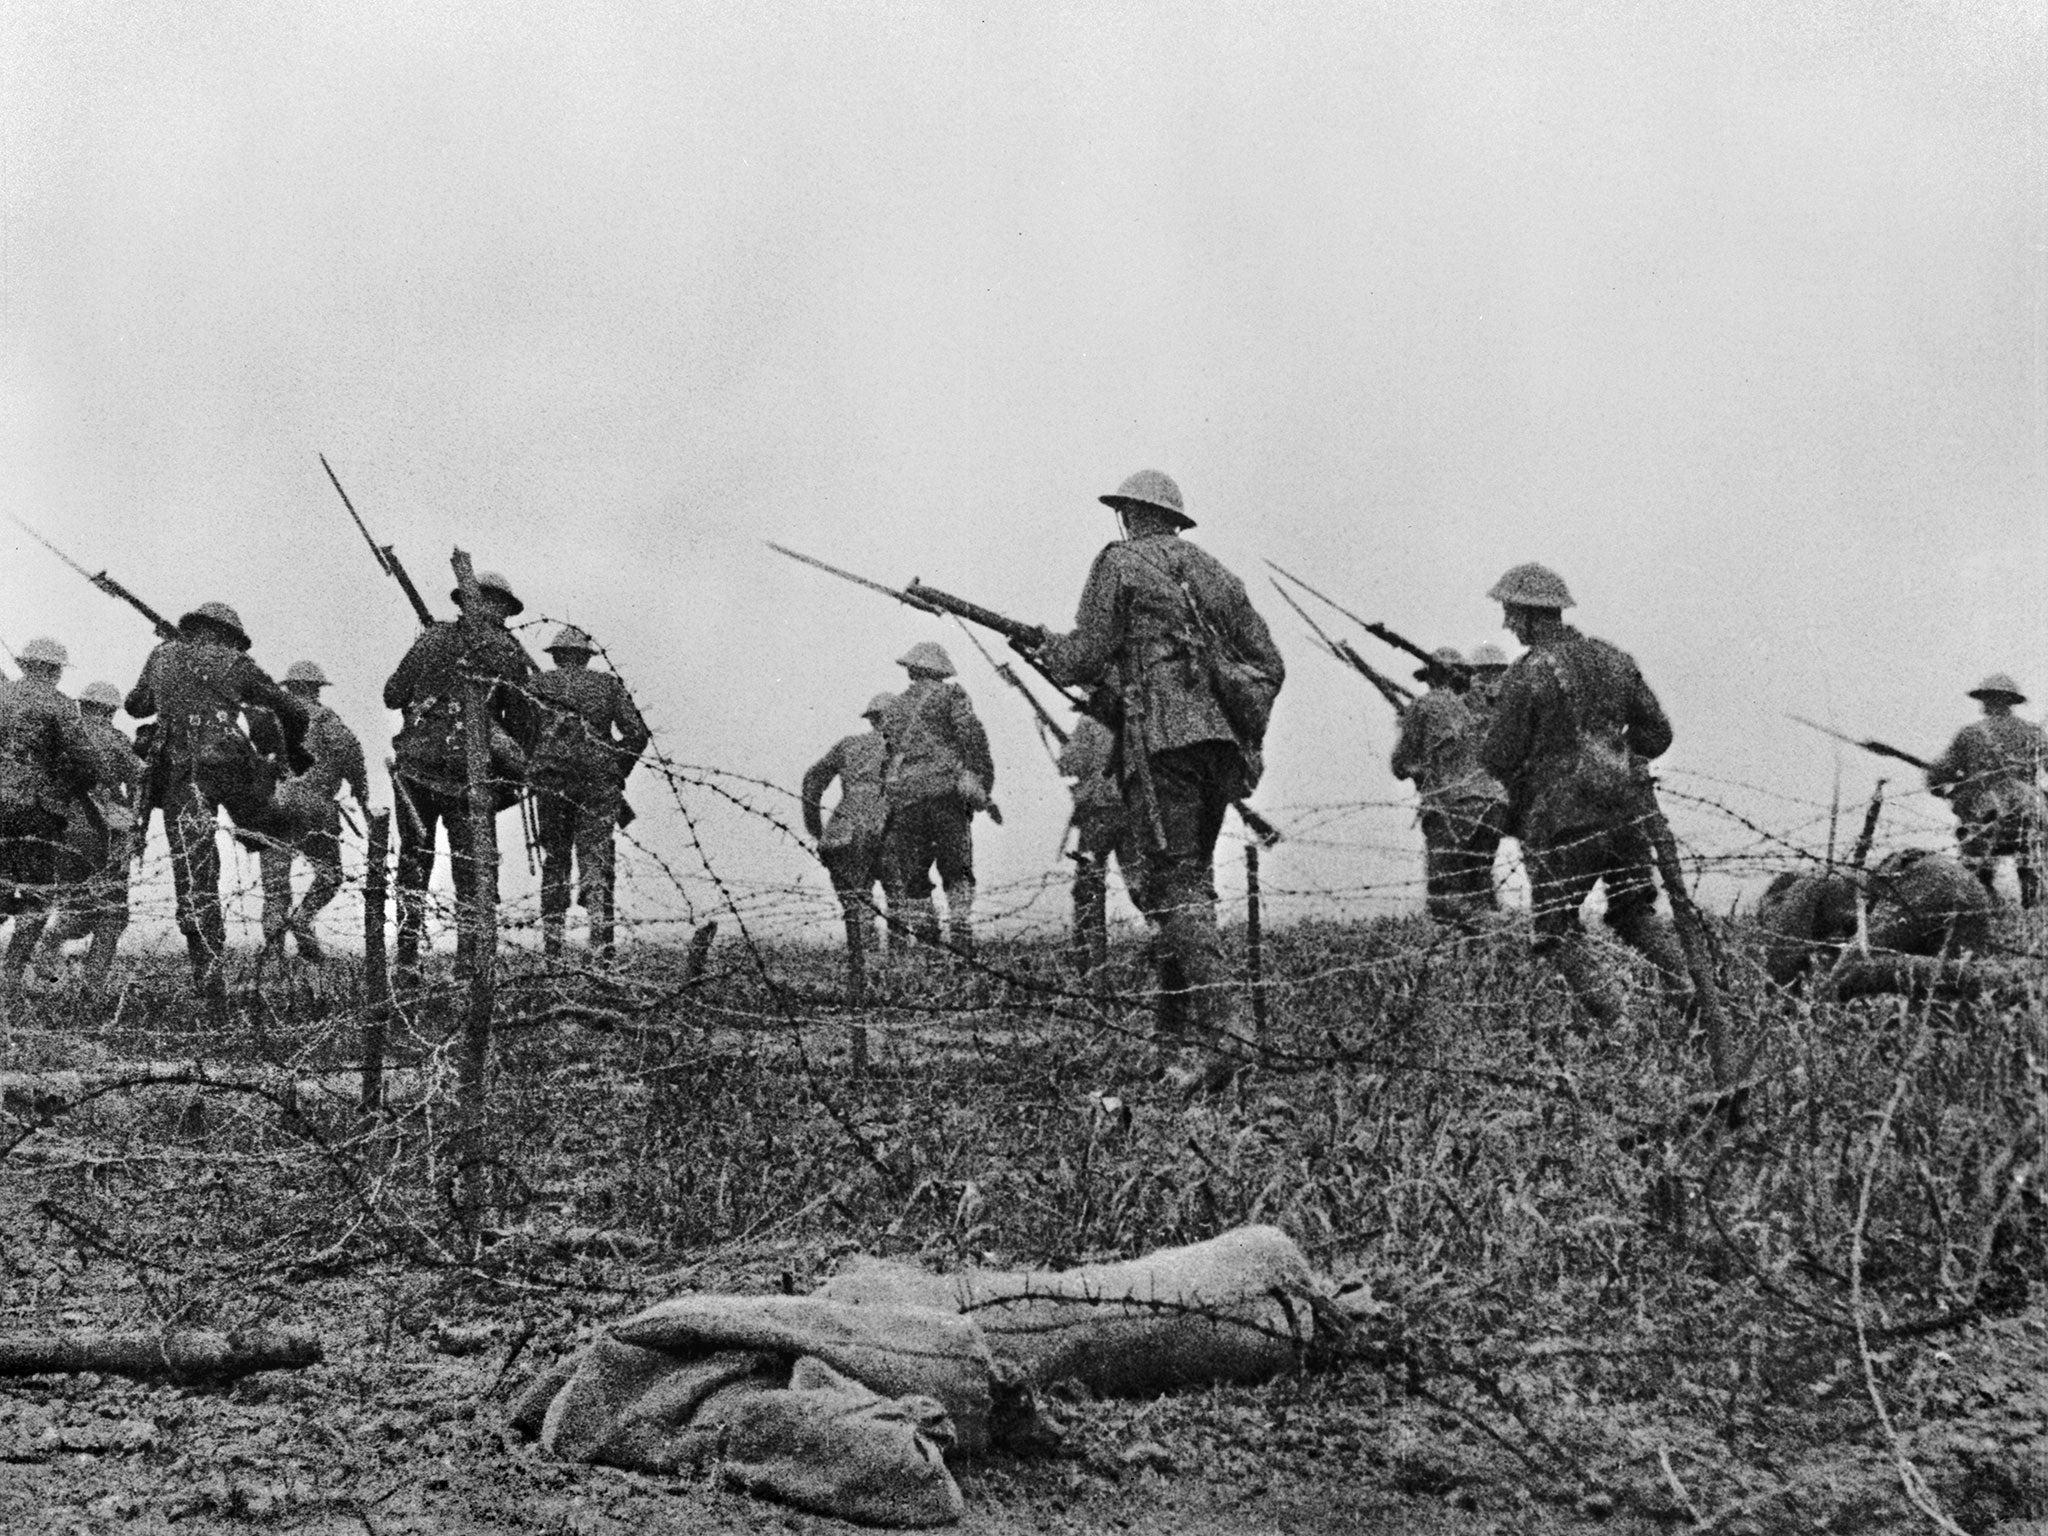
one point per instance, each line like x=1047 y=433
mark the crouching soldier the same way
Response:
x=850 y=841
x=202 y=688
x=309 y=800
x=591 y=735
x=93 y=901
x=47 y=776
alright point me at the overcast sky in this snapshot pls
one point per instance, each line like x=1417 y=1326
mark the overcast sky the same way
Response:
x=1732 y=312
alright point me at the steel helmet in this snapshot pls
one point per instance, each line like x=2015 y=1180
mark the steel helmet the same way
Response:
x=570 y=638
x=1149 y=488
x=50 y=653
x=879 y=706
x=1996 y=686
x=222 y=617
x=306 y=672
x=1487 y=654
x=1532 y=586
x=927 y=656
x=492 y=581
x=101 y=696
x=1444 y=656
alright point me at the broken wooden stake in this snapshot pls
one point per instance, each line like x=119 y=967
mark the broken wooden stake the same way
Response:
x=185 y=1357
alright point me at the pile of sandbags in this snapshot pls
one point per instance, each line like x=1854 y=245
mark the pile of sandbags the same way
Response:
x=849 y=1402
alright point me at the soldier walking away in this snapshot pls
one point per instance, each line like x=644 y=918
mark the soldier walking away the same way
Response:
x=429 y=781
x=1487 y=665
x=47 y=775
x=92 y=900
x=940 y=774
x=591 y=735
x=309 y=801
x=1991 y=778
x=850 y=840
x=1101 y=829
x=1177 y=655
x=1464 y=809
x=201 y=687
x=1573 y=729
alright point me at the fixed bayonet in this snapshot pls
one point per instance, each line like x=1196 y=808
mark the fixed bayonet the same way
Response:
x=860 y=581
x=164 y=627
x=1877 y=748
x=385 y=555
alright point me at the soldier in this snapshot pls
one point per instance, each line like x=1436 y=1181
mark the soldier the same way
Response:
x=1574 y=724
x=1916 y=903
x=590 y=737
x=430 y=780
x=1464 y=809
x=94 y=899
x=940 y=774
x=850 y=842
x=1169 y=641
x=1489 y=663
x=1990 y=776
x=47 y=774
x=315 y=813
x=201 y=686
x=1100 y=829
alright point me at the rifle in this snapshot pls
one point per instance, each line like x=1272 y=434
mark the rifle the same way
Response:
x=385 y=556
x=931 y=600
x=164 y=627
x=1395 y=695
x=1460 y=674
x=1879 y=748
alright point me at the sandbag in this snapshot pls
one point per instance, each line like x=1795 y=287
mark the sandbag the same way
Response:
x=1237 y=1308
x=898 y=1351
x=831 y=1445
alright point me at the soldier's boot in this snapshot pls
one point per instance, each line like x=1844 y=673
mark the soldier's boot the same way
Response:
x=2030 y=886
x=603 y=940
x=920 y=918
x=1656 y=940
x=1589 y=980
x=106 y=939
x=1170 y=1011
x=551 y=927
x=960 y=916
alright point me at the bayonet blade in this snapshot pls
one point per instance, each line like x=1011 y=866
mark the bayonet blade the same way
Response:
x=860 y=581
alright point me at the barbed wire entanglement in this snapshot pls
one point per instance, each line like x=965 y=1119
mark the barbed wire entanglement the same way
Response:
x=1571 y=1264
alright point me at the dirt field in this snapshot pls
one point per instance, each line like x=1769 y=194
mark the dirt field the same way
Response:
x=1585 y=1306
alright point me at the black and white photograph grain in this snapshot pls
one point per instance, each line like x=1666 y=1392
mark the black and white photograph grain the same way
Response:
x=1153 y=768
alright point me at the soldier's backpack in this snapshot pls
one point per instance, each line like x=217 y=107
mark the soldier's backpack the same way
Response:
x=1606 y=778
x=1244 y=690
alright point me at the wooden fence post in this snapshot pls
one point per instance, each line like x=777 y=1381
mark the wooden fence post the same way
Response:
x=376 y=976
x=477 y=916
x=1254 y=939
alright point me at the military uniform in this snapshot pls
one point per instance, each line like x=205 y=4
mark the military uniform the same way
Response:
x=430 y=783
x=1155 y=618
x=850 y=841
x=591 y=735
x=1916 y=903
x=1101 y=829
x=46 y=767
x=1464 y=808
x=200 y=688
x=315 y=833
x=1573 y=725
x=940 y=772
x=1991 y=776
x=99 y=850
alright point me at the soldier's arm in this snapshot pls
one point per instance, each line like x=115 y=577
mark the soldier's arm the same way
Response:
x=1409 y=746
x=355 y=773
x=632 y=729
x=513 y=701
x=256 y=692
x=972 y=739
x=141 y=700
x=77 y=765
x=1649 y=732
x=1951 y=768
x=1509 y=738
x=1086 y=653
x=817 y=779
